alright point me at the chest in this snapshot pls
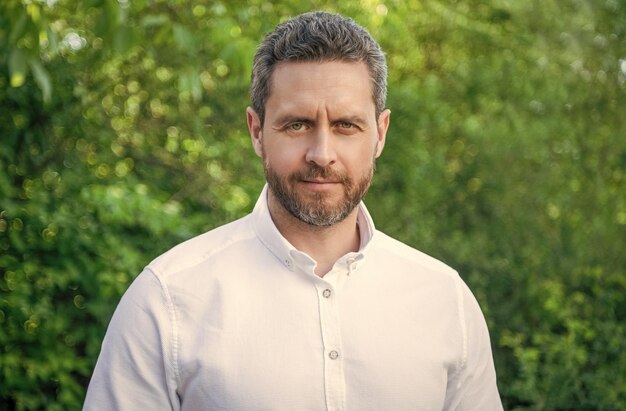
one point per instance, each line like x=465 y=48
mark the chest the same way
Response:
x=309 y=346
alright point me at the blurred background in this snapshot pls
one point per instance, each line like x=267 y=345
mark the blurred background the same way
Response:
x=123 y=133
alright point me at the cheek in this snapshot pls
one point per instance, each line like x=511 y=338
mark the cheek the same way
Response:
x=284 y=157
x=363 y=155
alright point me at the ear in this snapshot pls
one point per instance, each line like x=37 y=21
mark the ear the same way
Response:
x=382 y=126
x=256 y=131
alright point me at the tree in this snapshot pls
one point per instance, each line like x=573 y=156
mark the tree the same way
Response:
x=122 y=133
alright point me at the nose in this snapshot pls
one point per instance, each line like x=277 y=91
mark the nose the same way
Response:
x=321 y=150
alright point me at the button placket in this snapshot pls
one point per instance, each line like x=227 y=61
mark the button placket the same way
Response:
x=334 y=382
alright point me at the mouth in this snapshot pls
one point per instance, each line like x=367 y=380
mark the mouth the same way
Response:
x=319 y=185
x=320 y=181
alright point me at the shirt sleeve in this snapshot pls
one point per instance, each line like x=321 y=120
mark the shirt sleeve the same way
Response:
x=473 y=386
x=136 y=367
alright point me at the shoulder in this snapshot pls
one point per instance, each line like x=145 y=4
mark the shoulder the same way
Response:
x=418 y=268
x=404 y=255
x=197 y=250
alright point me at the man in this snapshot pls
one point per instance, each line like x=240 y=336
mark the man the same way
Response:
x=303 y=304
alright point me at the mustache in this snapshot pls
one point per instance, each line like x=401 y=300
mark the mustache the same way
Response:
x=315 y=171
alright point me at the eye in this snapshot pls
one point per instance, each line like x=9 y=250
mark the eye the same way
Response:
x=296 y=126
x=347 y=127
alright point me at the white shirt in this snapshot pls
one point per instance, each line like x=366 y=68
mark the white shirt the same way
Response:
x=236 y=319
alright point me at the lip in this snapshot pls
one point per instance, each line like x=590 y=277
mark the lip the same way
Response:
x=319 y=185
x=320 y=181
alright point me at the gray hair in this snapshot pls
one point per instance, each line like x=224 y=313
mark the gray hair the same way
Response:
x=317 y=36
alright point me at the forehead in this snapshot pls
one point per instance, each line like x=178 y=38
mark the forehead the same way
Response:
x=309 y=85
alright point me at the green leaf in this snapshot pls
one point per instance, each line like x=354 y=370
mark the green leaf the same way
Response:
x=154 y=20
x=53 y=41
x=42 y=78
x=183 y=38
x=124 y=39
x=18 y=30
x=17 y=68
x=189 y=82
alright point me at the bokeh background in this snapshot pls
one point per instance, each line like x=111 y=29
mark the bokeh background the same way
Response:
x=122 y=133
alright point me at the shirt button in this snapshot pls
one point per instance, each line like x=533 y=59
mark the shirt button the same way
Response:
x=326 y=293
x=333 y=355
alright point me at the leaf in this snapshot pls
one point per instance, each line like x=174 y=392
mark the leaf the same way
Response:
x=42 y=78
x=34 y=11
x=18 y=30
x=154 y=20
x=17 y=68
x=124 y=39
x=189 y=82
x=183 y=38
x=53 y=41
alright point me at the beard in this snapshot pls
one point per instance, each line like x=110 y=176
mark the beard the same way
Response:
x=317 y=209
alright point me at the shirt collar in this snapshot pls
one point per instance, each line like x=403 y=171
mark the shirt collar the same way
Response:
x=283 y=250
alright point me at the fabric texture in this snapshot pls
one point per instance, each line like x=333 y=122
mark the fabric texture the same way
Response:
x=236 y=319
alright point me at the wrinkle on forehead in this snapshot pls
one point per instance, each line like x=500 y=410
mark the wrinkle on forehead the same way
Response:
x=328 y=90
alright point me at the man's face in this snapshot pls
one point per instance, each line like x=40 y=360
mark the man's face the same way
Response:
x=320 y=138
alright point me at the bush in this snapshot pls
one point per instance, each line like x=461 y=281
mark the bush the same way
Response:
x=122 y=133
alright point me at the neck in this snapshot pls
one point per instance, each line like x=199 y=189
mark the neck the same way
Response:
x=324 y=244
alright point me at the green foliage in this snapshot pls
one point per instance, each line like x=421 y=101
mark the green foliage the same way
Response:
x=122 y=133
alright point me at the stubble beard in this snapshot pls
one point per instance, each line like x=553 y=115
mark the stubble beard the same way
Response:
x=317 y=209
